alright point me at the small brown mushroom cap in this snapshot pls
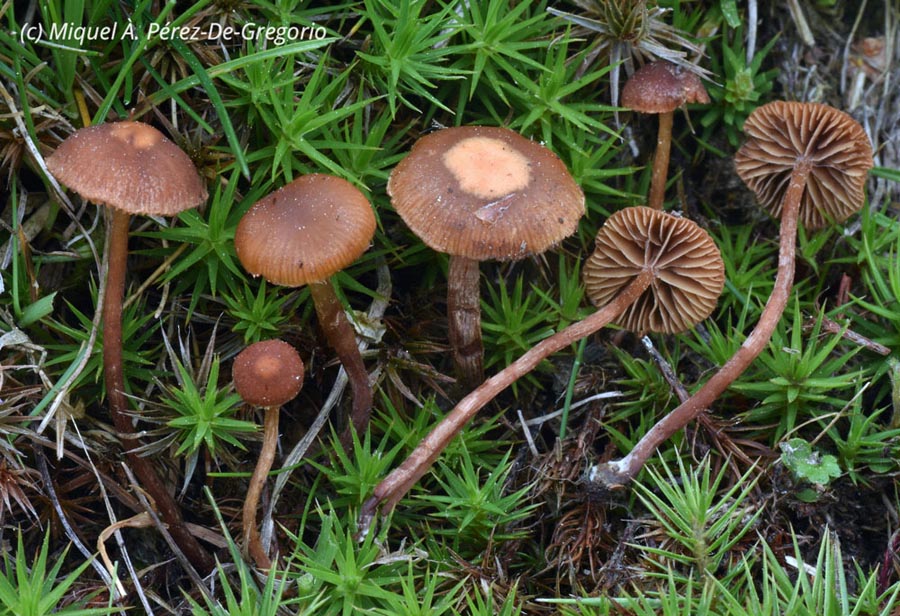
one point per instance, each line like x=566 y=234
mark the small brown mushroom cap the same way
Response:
x=687 y=267
x=130 y=166
x=485 y=192
x=661 y=87
x=305 y=231
x=268 y=373
x=781 y=135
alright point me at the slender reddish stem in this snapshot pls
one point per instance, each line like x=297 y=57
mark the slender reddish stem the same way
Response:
x=112 y=325
x=400 y=480
x=620 y=472
x=342 y=339
x=252 y=542
x=661 y=161
x=464 y=319
x=118 y=403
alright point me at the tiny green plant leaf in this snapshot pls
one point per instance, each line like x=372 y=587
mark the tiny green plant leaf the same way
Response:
x=808 y=464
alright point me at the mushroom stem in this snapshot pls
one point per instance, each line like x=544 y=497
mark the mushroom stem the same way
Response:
x=661 y=161
x=464 y=315
x=118 y=403
x=342 y=339
x=112 y=324
x=252 y=541
x=400 y=480
x=618 y=473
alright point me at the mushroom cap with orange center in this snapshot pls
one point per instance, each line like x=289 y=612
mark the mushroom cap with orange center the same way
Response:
x=306 y=231
x=268 y=373
x=688 y=270
x=781 y=135
x=484 y=192
x=130 y=166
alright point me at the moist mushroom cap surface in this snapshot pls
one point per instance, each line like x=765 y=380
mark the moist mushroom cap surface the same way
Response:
x=268 y=373
x=485 y=192
x=687 y=266
x=305 y=231
x=130 y=166
x=781 y=135
x=662 y=86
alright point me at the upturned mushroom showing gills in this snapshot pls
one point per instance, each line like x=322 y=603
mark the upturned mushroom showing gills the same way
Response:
x=478 y=193
x=130 y=168
x=661 y=87
x=302 y=234
x=806 y=162
x=666 y=272
x=688 y=273
x=268 y=374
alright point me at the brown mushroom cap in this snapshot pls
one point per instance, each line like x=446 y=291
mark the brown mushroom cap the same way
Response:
x=484 y=192
x=305 y=231
x=687 y=267
x=130 y=166
x=662 y=86
x=782 y=134
x=268 y=373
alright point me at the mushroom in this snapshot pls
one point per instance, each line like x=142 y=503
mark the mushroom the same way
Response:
x=131 y=168
x=267 y=374
x=478 y=193
x=302 y=234
x=688 y=273
x=807 y=162
x=661 y=87
x=666 y=274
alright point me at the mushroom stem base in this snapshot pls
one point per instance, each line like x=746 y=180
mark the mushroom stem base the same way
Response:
x=400 y=480
x=118 y=403
x=618 y=473
x=342 y=338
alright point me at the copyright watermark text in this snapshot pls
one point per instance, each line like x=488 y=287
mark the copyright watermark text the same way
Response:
x=68 y=33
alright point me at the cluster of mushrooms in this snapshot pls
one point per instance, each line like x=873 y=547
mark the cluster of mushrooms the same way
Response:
x=475 y=193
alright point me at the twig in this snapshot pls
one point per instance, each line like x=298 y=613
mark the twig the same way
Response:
x=64 y=520
x=141 y=520
x=848 y=45
x=528 y=438
x=832 y=327
x=120 y=541
x=666 y=369
x=161 y=528
x=663 y=365
x=752 y=17
x=803 y=30
x=536 y=421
